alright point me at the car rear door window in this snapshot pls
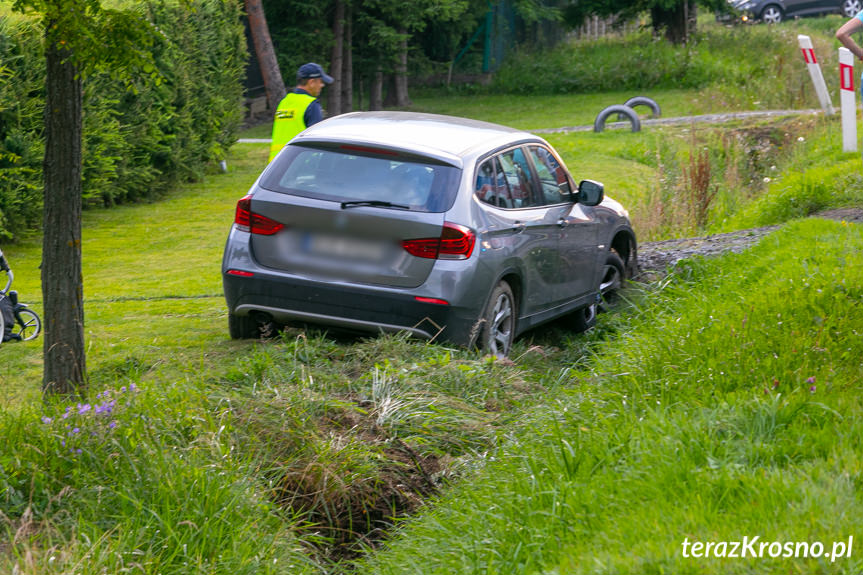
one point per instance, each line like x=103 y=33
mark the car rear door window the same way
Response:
x=517 y=174
x=491 y=185
x=552 y=176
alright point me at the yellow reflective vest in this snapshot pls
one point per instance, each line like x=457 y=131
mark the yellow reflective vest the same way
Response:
x=288 y=121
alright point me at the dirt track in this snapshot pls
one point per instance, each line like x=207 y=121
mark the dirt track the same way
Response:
x=655 y=257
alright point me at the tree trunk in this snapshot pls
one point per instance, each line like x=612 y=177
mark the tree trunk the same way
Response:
x=334 y=92
x=390 y=98
x=401 y=75
x=348 y=69
x=677 y=23
x=274 y=84
x=62 y=283
x=376 y=91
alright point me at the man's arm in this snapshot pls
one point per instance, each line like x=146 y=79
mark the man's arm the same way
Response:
x=314 y=114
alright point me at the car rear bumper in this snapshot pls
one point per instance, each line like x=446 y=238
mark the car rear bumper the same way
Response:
x=288 y=299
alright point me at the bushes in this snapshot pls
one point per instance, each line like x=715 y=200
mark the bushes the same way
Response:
x=719 y=57
x=137 y=141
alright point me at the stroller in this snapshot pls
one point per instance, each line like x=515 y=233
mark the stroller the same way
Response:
x=17 y=321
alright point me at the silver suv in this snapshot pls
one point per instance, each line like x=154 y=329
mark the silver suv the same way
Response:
x=446 y=228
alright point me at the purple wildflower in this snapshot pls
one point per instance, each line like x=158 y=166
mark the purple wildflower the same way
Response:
x=105 y=408
x=812 y=389
x=82 y=409
x=46 y=420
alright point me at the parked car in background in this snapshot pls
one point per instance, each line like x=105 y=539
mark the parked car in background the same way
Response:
x=775 y=11
x=446 y=228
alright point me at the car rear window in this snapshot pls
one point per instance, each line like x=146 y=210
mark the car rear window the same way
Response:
x=350 y=174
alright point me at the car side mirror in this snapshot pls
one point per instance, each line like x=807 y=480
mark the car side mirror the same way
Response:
x=590 y=193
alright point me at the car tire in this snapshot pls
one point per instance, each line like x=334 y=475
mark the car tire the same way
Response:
x=772 y=14
x=243 y=327
x=583 y=319
x=655 y=111
x=498 y=321
x=621 y=111
x=850 y=8
x=613 y=276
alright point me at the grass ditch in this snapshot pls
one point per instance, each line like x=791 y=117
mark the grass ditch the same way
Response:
x=726 y=406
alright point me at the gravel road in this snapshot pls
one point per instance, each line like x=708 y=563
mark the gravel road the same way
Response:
x=654 y=257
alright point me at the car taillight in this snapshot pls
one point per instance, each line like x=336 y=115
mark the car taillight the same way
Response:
x=248 y=221
x=455 y=243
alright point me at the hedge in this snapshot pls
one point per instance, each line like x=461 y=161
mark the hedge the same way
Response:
x=137 y=141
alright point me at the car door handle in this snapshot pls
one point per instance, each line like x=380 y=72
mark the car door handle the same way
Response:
x=518 y=227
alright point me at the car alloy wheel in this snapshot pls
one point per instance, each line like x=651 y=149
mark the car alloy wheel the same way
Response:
x=850 y=8
x=612 y=276
x=772 y=14
x=499 y=321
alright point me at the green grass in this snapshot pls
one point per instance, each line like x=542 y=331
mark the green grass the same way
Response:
x=152 y=283
x=728 y=407
x=561 y=110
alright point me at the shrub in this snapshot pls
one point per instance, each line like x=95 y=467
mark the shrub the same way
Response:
x=716 y=59
x=137 y=141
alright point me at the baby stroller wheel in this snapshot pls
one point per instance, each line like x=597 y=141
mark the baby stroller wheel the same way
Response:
x=29 y=324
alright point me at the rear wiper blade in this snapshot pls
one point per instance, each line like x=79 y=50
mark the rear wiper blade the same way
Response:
x=374 y=203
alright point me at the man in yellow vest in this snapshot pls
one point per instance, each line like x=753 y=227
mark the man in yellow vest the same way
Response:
x=300 y=108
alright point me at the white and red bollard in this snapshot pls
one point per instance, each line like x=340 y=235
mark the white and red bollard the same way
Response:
x=815 y=73
x=847 y=100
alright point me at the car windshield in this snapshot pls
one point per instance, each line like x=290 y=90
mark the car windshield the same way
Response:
x=368 y=177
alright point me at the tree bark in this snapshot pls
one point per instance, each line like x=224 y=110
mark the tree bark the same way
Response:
x=676 y=23
x=348 y=69
x=376 y=91
x=334 y=92
x=274 y=84
x=401 y=75
x=62 y=283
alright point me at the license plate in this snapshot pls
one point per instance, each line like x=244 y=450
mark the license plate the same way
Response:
x=344 y=248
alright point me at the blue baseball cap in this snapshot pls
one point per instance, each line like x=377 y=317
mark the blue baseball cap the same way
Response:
x=312 y=70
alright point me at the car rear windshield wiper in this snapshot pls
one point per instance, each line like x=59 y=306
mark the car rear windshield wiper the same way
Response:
x=373 y=203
